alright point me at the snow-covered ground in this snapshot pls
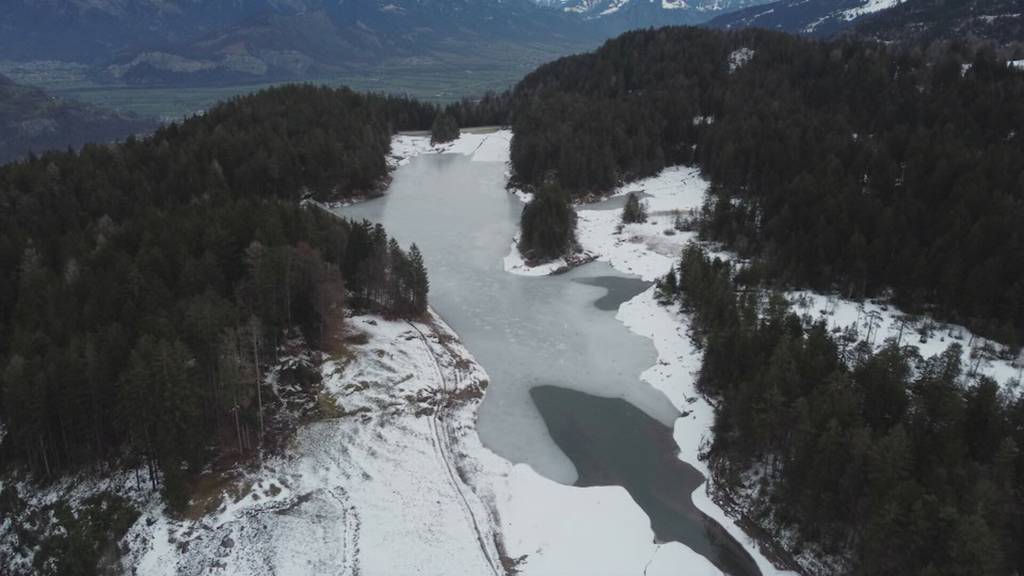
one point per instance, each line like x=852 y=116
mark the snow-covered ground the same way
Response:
x=395 y=482
x=402 y=485
x=647 y=249
x=374 y=490
x=877 y=323
x=16 y=556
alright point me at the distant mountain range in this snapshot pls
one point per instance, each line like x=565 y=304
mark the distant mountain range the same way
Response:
x=31 y=120
x=641 y=13
x=190 y=42
x=171 y=42
x=815 y=17
x=891 y=20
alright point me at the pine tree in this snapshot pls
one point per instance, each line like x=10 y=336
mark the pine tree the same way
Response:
x=667 y=287
x=547 y=225
x=634 y=211
x=444 y=129
x=419 y=281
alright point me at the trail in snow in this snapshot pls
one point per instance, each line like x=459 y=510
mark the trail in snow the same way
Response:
x=443 y=446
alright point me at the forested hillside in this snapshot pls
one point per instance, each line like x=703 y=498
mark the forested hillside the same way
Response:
x=144 y=286
x=843 y=166
x=888 y=461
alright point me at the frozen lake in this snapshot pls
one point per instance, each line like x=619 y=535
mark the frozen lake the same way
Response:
x=535 y=332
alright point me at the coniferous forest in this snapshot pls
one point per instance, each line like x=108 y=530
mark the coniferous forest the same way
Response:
x=844 y=165
x=896 y=463
x=146 y=285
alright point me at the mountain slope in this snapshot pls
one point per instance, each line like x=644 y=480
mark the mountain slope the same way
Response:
x=32 y=120
x=814 y=17
x=999 y=20
x=159 y=42
x=327 y=38
x=888 y=20
x=626 y=14
x=92 y=30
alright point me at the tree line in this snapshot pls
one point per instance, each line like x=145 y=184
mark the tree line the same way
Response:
x=893 y=462
x=146 y=286
x=846 y=165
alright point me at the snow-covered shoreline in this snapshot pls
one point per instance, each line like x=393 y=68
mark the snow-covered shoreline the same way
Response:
x=650 y=249
x=480 y=146
x=647 y=251
x=547 y=527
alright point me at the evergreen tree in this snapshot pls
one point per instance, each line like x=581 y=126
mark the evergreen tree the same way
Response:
x=419 y=282
x=444 y=129
x=634 y=211
x=547 y=226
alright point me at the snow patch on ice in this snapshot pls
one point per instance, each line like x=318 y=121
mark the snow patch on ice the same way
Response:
x=594 y=530
x=514 y=263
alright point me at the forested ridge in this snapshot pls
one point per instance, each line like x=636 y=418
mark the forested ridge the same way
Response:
x=32 y=120
x=146 y=285
x=845 y=166
x=888 y=461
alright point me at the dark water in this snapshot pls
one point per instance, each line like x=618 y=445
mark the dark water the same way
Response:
x=619 y=290
x=613 y=443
